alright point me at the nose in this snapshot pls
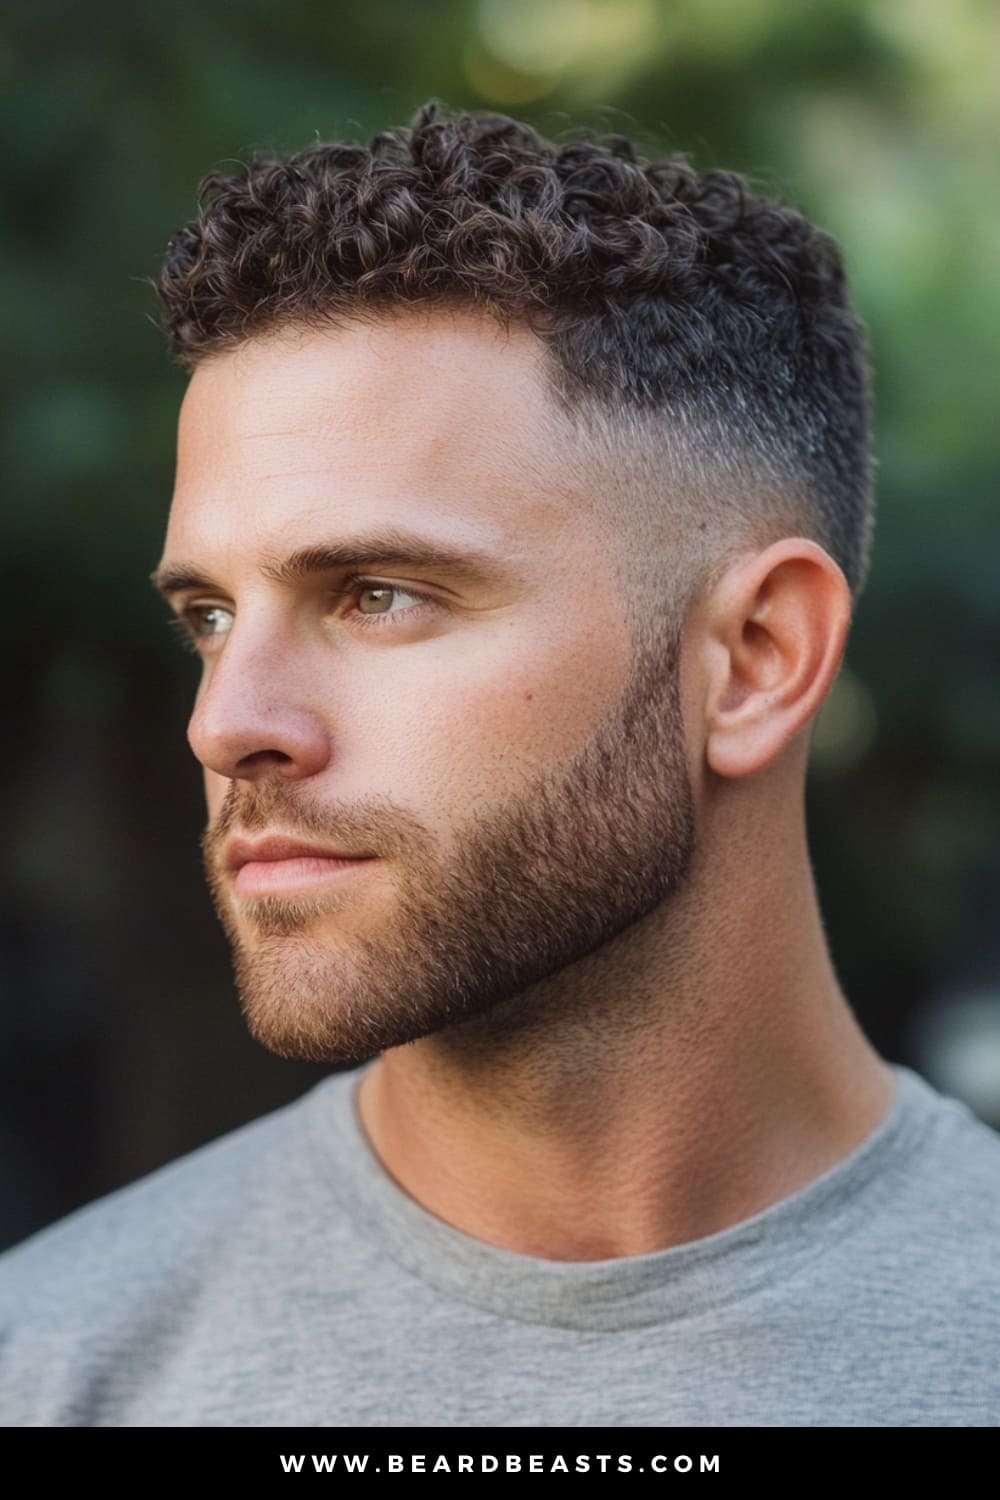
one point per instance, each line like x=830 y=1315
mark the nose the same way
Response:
x=254 y=717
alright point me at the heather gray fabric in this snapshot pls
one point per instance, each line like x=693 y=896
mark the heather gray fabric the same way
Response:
x=281 y=1277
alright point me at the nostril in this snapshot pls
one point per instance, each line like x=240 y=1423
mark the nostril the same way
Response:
x=262 y=758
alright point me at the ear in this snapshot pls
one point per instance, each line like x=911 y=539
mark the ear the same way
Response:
x=774 y=634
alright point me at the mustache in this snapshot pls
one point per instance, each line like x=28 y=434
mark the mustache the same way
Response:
x=372 y=825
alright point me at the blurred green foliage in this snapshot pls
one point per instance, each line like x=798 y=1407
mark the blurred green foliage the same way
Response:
x=878 y=118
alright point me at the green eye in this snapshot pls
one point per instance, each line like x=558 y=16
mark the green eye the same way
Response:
x=373 y=591
x=209 y=619
x=383 y=593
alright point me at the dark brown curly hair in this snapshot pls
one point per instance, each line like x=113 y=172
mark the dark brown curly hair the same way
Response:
x=702 y=345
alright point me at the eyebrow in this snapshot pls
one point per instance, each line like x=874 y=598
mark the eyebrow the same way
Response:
x=384 y=549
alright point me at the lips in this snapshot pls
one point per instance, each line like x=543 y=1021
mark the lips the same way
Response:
x=280 y=866
x=242 y=852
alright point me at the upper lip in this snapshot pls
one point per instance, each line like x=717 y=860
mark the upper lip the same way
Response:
x=242 y=851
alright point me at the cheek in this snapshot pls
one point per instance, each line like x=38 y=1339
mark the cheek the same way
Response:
x=216 y=787
x=540 y=700
x=460 y=727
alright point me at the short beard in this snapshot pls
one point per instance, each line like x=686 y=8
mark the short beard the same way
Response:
x=281 y=916
x=542 y=880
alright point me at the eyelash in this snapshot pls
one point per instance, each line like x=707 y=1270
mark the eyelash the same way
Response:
x=357 y=582
x=184 y=624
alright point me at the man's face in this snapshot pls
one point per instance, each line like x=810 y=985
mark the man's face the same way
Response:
x=485 y=728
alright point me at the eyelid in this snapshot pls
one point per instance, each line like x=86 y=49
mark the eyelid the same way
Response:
x=358 y=582
x=355 y=581
x=186 y=614
x=202 y=606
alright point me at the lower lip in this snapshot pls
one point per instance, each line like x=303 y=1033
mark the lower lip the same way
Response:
x=263 y=877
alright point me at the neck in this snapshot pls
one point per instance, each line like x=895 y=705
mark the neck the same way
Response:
x=700 y=1067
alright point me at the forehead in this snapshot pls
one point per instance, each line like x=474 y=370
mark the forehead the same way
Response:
x=436 y=416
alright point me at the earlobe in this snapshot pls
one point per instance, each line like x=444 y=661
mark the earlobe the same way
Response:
x=776 y=629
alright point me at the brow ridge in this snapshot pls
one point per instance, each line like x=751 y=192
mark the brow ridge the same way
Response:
x=385 y=549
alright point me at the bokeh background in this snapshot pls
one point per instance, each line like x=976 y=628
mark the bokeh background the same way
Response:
x=122 y=1042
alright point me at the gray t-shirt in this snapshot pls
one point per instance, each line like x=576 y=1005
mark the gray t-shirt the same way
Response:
x=281 y=1277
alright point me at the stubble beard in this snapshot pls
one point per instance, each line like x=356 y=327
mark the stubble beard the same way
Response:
x=544 y=879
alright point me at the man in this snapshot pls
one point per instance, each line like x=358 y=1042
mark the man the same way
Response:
x=523 y=498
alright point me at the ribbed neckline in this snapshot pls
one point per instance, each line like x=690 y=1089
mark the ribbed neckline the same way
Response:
x=683 y=1281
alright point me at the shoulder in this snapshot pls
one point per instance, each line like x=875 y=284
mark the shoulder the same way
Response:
x=942 y=1207
x=907 y=1240
x=907 y=1293
x=176 y=1205
x=950 y=1164
x=126 y=1273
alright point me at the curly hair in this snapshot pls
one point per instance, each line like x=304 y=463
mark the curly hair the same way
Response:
x=695 y=329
